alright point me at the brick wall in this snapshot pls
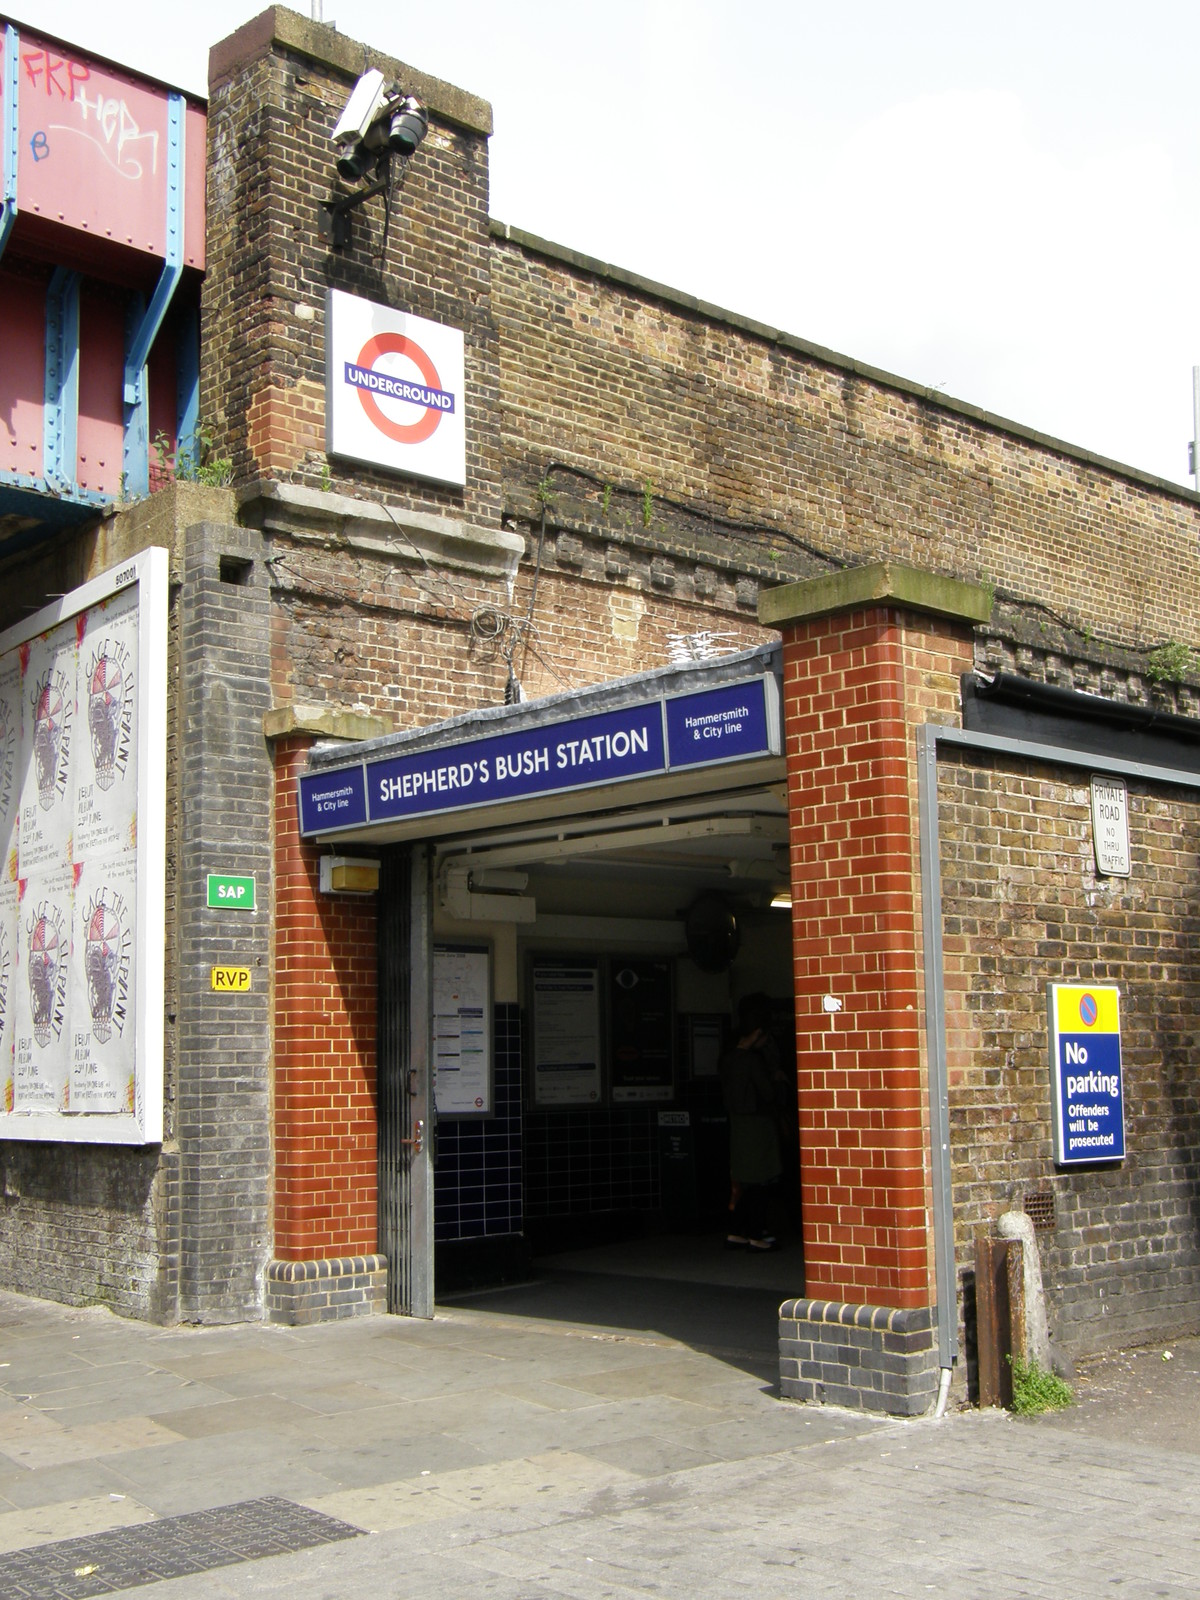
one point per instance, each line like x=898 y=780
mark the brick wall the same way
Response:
x=326 y=1177
x=853 y=685
x=1023 y=906
x=760 y=446
x=222 y=1113
x=276 y=90
x=416 y=647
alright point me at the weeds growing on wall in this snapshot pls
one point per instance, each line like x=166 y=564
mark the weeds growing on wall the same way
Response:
x=1170 y=663
x=1035 y=1390
x=193 y=462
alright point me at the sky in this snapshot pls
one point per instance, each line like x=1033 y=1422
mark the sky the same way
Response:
x=999 y=202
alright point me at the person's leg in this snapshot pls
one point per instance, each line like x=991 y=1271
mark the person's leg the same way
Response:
x=752 y=1216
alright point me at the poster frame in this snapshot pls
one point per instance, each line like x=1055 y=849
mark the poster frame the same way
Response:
x=484 y=949
x=582 y=962
x=149 y=570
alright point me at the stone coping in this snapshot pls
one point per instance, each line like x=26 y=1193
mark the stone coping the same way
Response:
x=847 y=1313
x=323 y=722
x=327 y=1267
x=879 y=583
x=321 y=42
x=375 y=528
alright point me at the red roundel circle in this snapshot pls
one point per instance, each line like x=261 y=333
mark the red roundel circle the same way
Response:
x=395 y=344
x=1089 y=1010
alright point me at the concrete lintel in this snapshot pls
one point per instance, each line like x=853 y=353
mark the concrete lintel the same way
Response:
x=323 y=722
x=394 y=532
x=880 y=583
x=319 y=42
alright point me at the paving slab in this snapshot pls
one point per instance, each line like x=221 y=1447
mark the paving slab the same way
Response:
x=550 y=1458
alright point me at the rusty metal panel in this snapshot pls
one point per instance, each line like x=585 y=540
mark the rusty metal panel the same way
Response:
x=93 y=151
x=993 y=1317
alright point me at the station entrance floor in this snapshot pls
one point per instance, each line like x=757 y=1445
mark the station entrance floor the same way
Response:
x=675 y=1288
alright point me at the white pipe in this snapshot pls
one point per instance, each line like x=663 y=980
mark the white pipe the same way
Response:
x=943 y=1394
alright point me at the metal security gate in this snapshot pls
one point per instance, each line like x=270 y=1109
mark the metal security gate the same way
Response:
x=405 y=1101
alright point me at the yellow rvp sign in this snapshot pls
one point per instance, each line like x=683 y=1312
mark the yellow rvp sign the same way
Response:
x=231 y=980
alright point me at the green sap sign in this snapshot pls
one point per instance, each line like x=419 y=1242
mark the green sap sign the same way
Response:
x=226 y=893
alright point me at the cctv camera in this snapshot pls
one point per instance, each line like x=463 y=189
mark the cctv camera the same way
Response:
x=407 y=125
x=363 y=108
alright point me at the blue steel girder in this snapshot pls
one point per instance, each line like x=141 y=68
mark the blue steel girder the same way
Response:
x=144 y=325
x=10 y=133
x=187 y=386
x=61 y=413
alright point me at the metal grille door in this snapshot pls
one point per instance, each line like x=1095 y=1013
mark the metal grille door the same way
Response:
x=405 y=1102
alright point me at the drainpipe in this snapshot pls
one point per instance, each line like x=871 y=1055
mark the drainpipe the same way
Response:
x=935 y=1044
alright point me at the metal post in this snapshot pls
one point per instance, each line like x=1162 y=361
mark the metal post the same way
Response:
x=1196 y=427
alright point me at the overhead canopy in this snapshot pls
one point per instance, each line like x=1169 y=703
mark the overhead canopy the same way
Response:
x=677 y=771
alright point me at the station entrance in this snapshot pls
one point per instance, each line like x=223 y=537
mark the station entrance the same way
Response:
x=597 y=1182
x=559 y=976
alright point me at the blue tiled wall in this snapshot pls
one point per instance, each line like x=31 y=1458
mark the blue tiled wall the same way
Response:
x=477 y=1180
x=604 y=1158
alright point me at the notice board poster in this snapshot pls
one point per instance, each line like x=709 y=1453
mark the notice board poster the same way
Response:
x=462 y=1030
x=642 y=1031
x=566 y=1034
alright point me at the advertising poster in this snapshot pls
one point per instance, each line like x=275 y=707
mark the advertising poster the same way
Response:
x=48 y=709
x=83 y=876
x=42 y=1037
x=566 y=1034
x=102 y=987
x=462 y=1076
x=106 y=756
x=11 y=780
x=641 y=1030
x=8 y=966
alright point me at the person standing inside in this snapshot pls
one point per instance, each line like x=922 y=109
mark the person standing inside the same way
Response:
x=752 y=1087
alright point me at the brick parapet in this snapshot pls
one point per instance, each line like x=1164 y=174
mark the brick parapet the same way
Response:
x=809 y=463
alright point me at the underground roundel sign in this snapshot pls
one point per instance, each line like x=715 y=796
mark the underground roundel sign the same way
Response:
x=394 y=390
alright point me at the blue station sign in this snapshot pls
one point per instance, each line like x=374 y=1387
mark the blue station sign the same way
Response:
x=732 y=722
x=1085 y=1071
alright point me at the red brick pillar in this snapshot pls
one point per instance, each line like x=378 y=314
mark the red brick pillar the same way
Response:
x=868 y=656
x=325 y=1137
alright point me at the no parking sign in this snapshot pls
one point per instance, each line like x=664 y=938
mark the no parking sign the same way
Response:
x=394 y=390
x=1085 y=1072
